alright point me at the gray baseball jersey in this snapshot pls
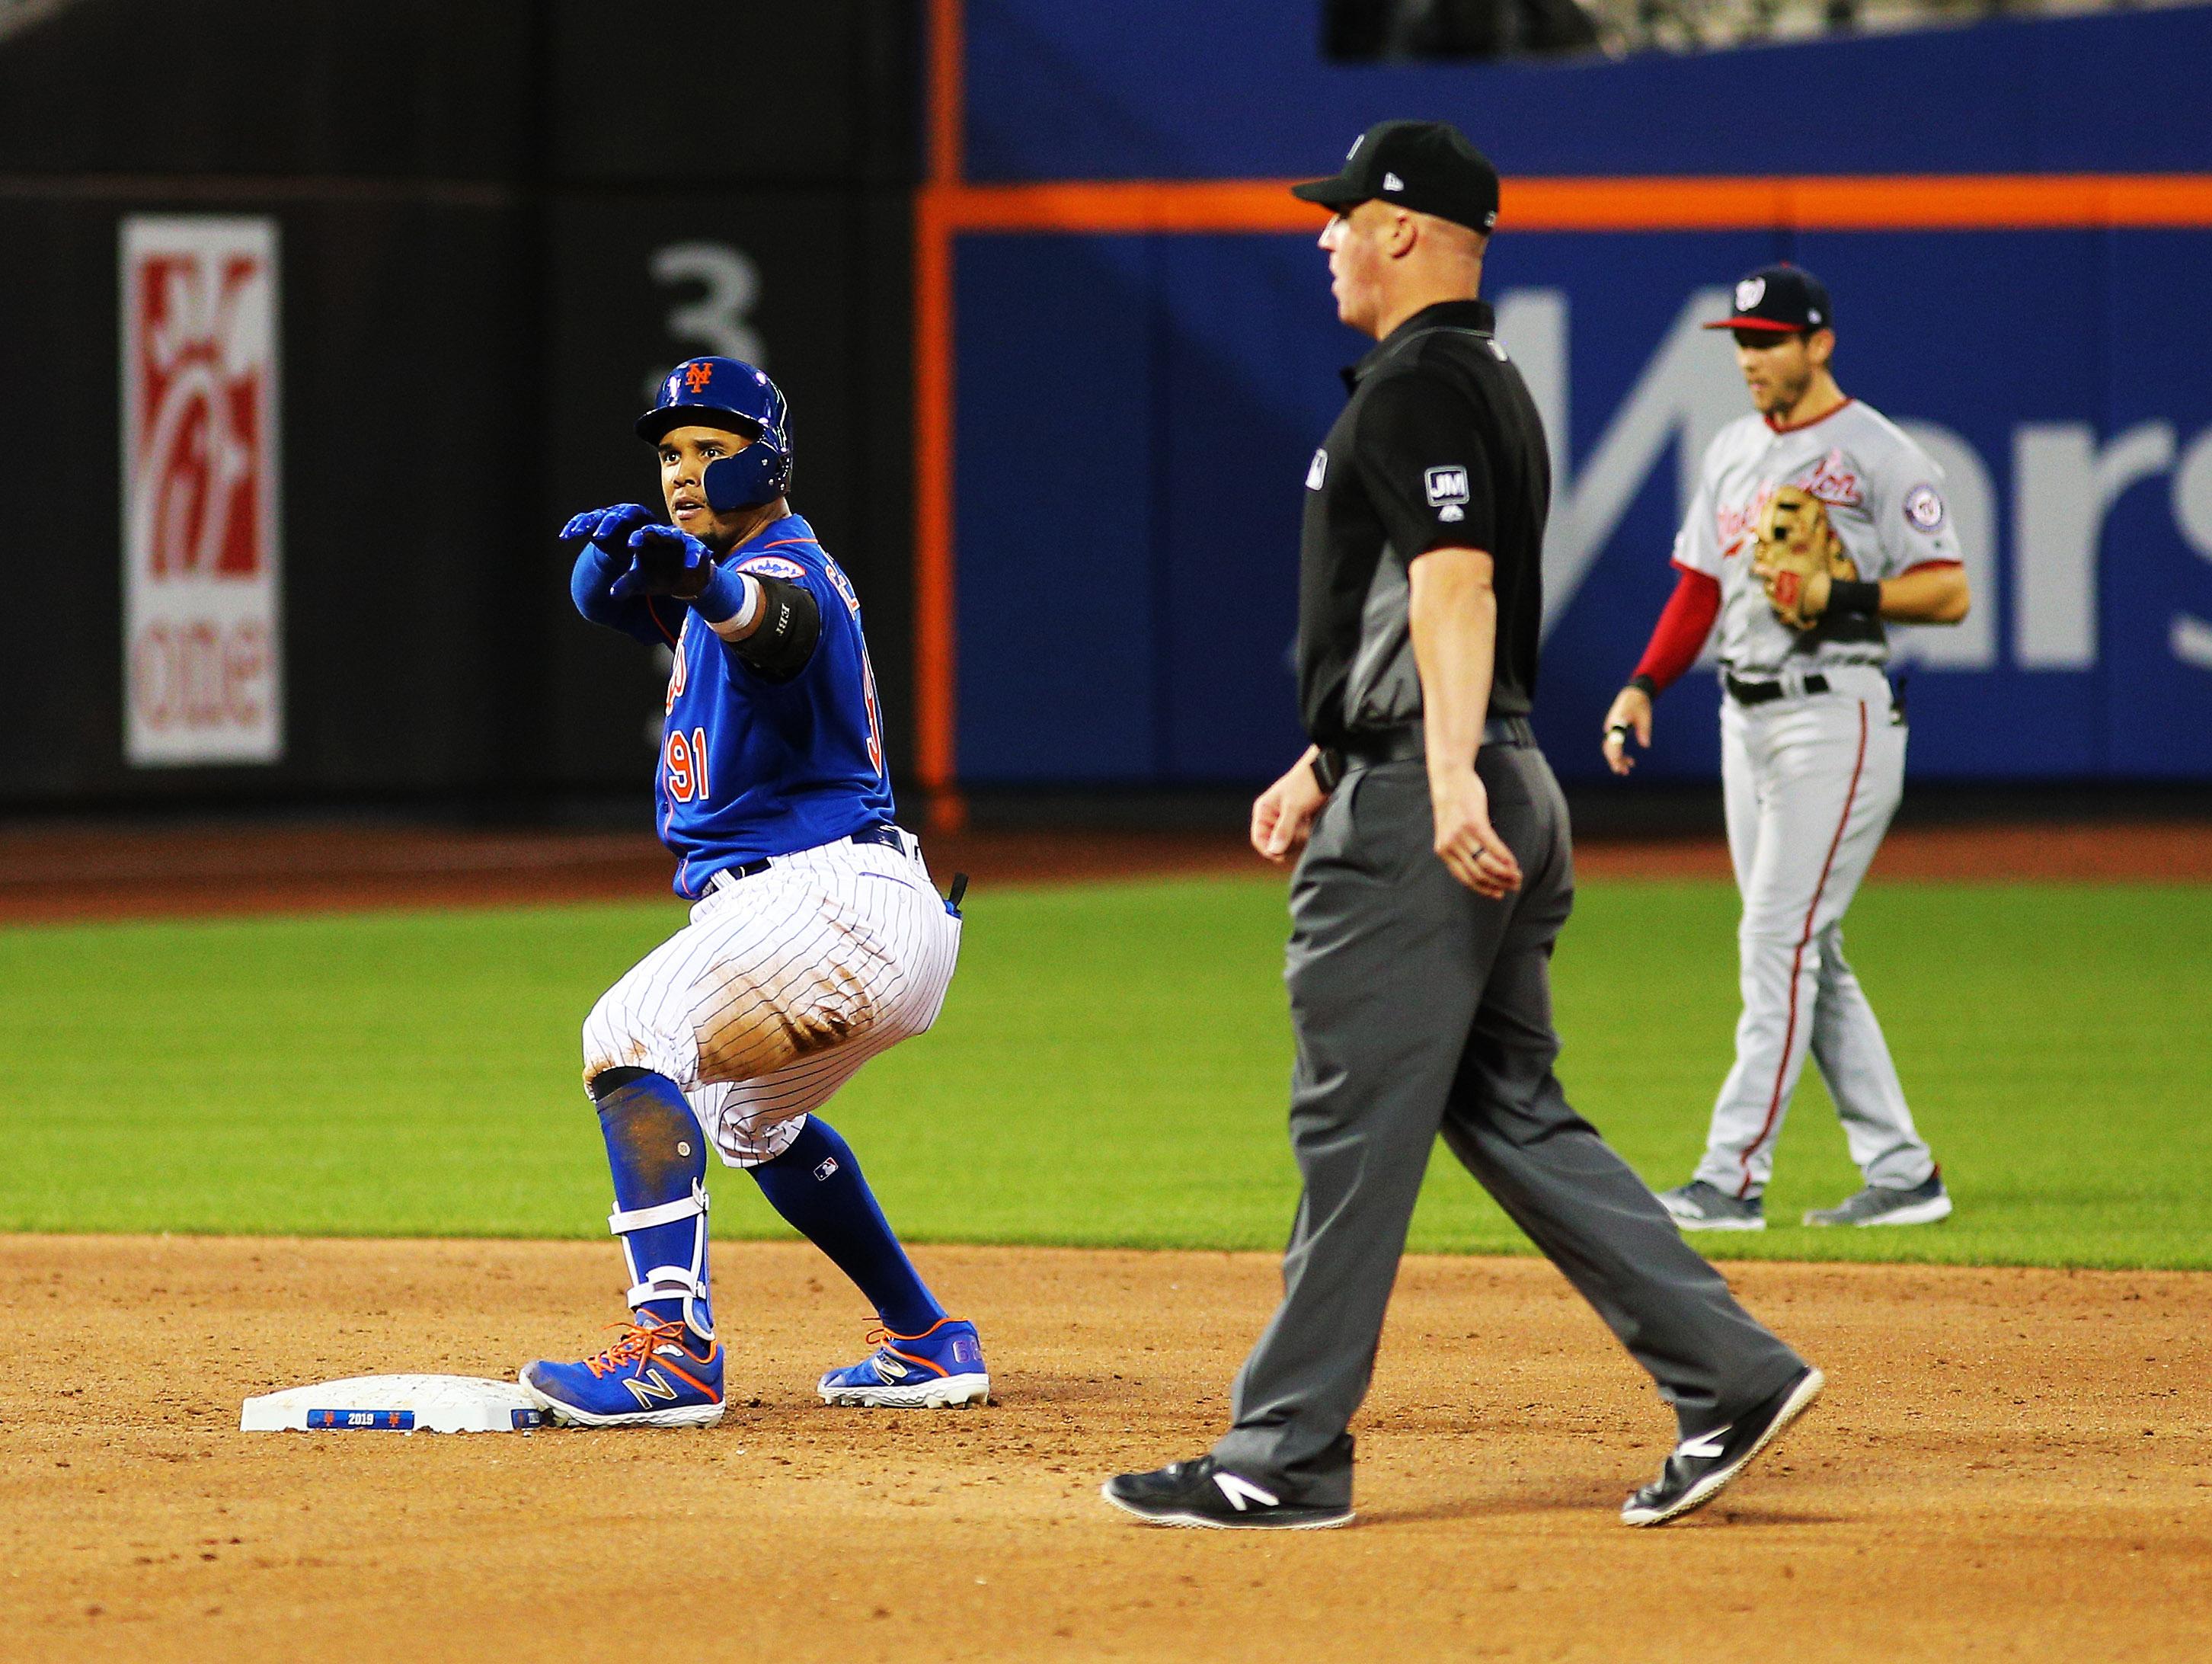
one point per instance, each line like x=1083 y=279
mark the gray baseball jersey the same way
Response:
x=1885 y=498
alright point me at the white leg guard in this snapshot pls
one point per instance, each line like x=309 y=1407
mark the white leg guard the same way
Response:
x=661 y=1282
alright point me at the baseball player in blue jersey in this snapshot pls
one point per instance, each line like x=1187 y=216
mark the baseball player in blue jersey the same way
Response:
x=816 y=938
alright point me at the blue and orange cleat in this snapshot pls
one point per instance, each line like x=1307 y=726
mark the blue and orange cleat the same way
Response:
x=941 y=1369
x=656 y=1375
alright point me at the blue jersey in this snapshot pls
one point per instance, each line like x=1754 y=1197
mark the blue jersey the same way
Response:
x=749 y=767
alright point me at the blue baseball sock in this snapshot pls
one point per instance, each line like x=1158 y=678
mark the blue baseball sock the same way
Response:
x=659 y=1158
x=817 y=1186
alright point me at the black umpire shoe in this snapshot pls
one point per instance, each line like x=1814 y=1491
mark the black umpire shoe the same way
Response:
x=1699 y=1468
x=1204 y=1493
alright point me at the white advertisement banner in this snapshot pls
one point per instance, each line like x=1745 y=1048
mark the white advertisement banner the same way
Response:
x=202 y=665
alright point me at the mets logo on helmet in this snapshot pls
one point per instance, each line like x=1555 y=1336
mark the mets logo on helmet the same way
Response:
x=695 y=376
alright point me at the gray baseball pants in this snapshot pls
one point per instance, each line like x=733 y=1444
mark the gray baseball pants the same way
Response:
x=1421 y=1008
x=1812 y=782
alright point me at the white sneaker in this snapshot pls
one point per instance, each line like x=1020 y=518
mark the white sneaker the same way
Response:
x=1699 y=1206
x=1924 y=1204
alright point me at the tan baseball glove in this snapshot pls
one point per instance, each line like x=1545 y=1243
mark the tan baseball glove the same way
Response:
x=1799 y=556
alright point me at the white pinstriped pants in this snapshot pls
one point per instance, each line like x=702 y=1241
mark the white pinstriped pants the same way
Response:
x=1811 y=784
x=780 y=987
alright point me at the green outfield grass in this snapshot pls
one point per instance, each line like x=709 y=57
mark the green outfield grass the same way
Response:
x=1110 y=1070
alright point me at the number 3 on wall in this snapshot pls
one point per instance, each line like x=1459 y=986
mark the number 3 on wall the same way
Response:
x=718 y=321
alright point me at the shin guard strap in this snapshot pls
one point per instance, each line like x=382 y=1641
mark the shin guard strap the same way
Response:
x=666 y=1213
x=665 y=1282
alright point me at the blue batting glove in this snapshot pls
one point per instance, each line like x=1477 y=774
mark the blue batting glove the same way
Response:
x=607 y=529
x=666 y=562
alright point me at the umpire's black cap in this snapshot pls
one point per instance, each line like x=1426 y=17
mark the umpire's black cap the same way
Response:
x=1781 y=299
x=1426 y=165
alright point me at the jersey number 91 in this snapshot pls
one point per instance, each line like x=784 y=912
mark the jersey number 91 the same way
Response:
x=684 y=756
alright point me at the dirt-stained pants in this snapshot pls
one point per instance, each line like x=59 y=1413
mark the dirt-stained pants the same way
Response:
x=781 y=986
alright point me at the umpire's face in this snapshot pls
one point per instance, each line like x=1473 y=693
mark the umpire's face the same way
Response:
x=1363 y=241
x=684 y=455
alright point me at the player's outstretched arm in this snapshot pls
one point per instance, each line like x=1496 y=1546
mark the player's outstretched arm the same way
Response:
x=768 y=625
x=600 y=537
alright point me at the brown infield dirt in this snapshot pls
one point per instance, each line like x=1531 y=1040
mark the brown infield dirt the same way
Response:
x=59 y=872
x=2007 y=1463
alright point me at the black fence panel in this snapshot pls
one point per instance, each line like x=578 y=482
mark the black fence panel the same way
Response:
x=741 y=95
x=424 y=89
x=406 y=478
x=492 y=225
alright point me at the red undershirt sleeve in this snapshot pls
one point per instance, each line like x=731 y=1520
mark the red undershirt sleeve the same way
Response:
x=1683 y=625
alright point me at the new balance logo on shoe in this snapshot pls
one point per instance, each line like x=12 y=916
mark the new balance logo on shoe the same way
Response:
x=1705 y=1444
x=1242 y=1493
x=648 y=1385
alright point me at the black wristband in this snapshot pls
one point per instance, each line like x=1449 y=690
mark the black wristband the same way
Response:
x=1851 y=596
x=1328 y=768
x=1645 y=686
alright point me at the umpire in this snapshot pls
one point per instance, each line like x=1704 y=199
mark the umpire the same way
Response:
x=1436 y=874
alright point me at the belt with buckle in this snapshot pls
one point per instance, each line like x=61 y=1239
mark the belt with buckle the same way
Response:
x=886 y=835
x=1406 y=745
x=1757 y=693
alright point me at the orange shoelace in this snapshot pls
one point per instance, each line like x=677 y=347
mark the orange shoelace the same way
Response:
x=880 y=1334
x=637 y=1343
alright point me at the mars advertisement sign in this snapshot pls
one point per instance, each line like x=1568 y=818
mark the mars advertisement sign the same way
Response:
x=202 y=666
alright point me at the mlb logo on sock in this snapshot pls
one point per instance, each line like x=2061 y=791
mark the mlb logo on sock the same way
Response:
x=828 y=1168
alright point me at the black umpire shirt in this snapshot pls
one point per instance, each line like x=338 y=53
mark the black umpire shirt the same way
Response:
x=1440 y=447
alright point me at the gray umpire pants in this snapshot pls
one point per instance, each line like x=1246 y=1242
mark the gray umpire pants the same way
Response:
x=1421 y=1008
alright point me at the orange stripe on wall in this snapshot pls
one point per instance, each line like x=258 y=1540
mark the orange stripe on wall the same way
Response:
x=933 y=682
x=935 y=649
x=1875 y=202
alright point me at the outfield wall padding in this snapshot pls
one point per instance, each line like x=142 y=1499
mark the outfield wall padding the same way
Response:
x=1136 y=412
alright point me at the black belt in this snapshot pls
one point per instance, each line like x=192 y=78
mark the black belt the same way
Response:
x=888 y=835
x=1757 y=693
x=1406 y=745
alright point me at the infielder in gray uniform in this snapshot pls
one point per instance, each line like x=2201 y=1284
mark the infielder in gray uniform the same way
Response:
x=1815 y=518
x=1436 y=874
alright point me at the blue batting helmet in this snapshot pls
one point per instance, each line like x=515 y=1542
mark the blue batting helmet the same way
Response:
x=729 y=392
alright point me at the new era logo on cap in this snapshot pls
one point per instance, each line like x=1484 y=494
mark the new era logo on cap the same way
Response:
x=1779 y=299
x=1427 y=167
